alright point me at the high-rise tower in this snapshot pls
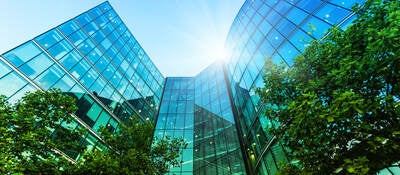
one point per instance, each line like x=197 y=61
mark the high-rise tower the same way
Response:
x=94 y=58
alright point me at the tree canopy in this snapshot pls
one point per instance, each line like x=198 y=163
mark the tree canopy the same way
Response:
x=132 y=151
x=36 y=138
x=337 y=109
x=31 y=133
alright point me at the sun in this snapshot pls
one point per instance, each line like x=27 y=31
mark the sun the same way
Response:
x=218 y=53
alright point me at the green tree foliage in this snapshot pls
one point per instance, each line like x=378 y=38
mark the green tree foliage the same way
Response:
x=337 y=109
x=31 y=134
x=35 y=130
x=132 y=151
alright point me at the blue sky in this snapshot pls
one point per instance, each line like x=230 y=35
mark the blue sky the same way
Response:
x=182 y=37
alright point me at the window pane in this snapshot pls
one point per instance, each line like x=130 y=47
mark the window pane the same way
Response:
x=102 y=121
x=36 y=66
x=94 y=111
x=77 y=37
x=80 y=69
x=20 y=93
x=49 y=77
x=69 y=27
x=89 y=78
x=22 y=53
x=315 y=27
x=84 y=19
x=60 y=49
x=70 y=59
x=4 y=69
x=65 y=84
x=332 y=14
x=11 y=83
x=49 y=38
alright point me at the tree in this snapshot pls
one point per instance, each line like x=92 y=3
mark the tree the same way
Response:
x=132 y=151
x=31 y=133
x=337 y=109
x=35 y=132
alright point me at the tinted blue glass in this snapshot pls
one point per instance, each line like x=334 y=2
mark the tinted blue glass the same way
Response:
x=60 y=49
x=91 y=28
x=89 y=77
x=105 y=44
x=36 y=66
x=288 y=52
x=98 y=85
x=257 y=18
x=282 y=7
x=65 y=83
x=273 y=17
x=296 y=15
x=109 y=72
x=110 y=14
x=285 y=27
x=69 y=60
x=116 y=21
x=77 y=37
x=80 y=69
x=300 y=40
x=346 y=3
x=49 y=77
x=115 y=78
x=69 y=27
x=332 y=14
x=4 y=69
x=315 y=27
x=101 y=21
x=265 y=27
x=22 y=53
x=84 y=19
x=275 y=38
x=11 y=83
x=95 y=12
x=94 y=55
x=309 y=6
x=86 y=46
x=98 y=36
x=18 y=95
x=272 y=2
x=49 y=38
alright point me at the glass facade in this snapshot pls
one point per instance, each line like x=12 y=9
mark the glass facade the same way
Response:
x=94 y=58
x=199 y=110
x=279 y=30
x=216 y=145
x=176 y=118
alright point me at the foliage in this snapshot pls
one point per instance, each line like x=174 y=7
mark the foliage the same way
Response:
x=30 y=132
x=337 y=109
x=36 y=128
x=132 y=152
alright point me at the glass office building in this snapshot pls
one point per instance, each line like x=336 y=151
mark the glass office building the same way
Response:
x=199 y=110
x=94 y=58
x=278 y=30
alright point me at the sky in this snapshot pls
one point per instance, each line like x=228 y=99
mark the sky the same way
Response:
x=182 y=37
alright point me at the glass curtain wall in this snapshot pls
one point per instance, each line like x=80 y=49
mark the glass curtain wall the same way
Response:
x=199 y=110
x=94 y=58
x=176 y=118
x=278 y=30
x=216 y=144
